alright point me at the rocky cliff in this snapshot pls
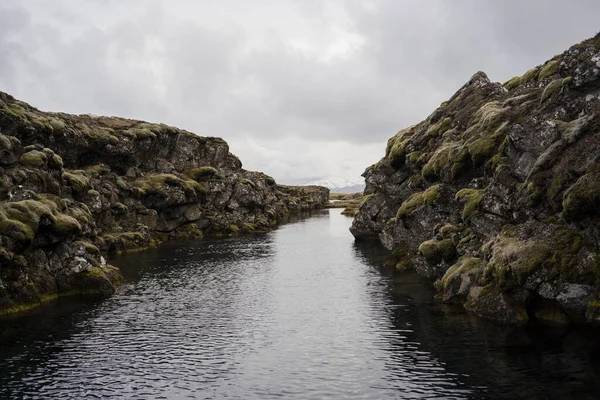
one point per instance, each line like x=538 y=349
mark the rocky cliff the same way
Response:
x=496 y=195
x=76 y=188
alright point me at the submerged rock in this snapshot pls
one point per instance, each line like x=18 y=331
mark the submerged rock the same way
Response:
x=496 y=195
x=75 y=188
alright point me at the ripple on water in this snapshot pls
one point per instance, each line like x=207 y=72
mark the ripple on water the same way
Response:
x=297 y=313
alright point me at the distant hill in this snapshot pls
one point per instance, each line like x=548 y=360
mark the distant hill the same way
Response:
x=342 y=185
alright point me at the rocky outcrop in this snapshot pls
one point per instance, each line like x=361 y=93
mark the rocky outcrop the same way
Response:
x=496 y=195
x=76 y=188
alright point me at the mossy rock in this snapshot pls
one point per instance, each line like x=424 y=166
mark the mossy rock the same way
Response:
x=16 y=230
x=517 y=81
x=89 y=247
x=55 y=162
x=397 y=154
x=65 y=225
x=158 y=184
x=125 y=242
x=77 y=180
x=583 y=197
x=439 y=128
x=204 y=173
x=416 y=200
x=23 y=219
x=450 y=156
x=139 y=133
x=464 y=265
x=553 y=88
x=436 y=251
x=101 y=136
x=549 y=69
x=34 y=159
x=485 y=147
x=513 y=260
x=472 y=199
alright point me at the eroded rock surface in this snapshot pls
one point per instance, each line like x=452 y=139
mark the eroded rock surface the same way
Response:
x=74 y=188
x=496 y=195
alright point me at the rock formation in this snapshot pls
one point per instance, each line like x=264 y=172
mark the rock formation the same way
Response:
x=496 y=195
x=75 y=188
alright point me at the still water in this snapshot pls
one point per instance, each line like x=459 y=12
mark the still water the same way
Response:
x=298 y=313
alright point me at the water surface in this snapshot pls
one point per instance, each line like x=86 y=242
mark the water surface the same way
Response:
x=298 y=313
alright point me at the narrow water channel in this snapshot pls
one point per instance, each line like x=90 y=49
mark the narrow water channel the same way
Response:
x=299 y=313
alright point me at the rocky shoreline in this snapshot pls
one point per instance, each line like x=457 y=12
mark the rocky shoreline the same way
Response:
x=74 y=189
x=496 y=195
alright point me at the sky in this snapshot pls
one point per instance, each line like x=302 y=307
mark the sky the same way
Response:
x=300 y=89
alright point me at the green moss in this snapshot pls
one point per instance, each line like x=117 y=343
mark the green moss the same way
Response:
x=97 y=170
x=549 y=69
x=418 y=199
x=521 y=80
x=5 y=255
x=472 y=199
x=22 y=219
x=89 y=247
x=583 y=197
x=448 y=230
x=77 y=180
x=191 y=231
x=247 y=182
x=483 y=148
x=415 y=156
x=55 y=162
x=125 y=241
x=158 y=184
x=57 y=125
x=120 y=207
x=450 y=155
x=553 y=87
x=34 y=159
x=101 y=136
x=234 y=228
x=64 y=225
x=435 y=251
x=139 y=133
x=464 y=265
x=439 y=128
x=535 y=195
x=397 y=154
x=204 y=173
x=513 y=260
x=16 y=230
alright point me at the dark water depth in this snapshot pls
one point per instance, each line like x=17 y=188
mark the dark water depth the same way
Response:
x=299 y=313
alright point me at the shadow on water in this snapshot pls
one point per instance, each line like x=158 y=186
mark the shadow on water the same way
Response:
x=493 y=360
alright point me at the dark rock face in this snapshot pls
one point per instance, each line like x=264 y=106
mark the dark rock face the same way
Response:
x=496 y=195
x=74 y=188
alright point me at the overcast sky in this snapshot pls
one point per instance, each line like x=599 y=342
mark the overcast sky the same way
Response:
x=300 y=89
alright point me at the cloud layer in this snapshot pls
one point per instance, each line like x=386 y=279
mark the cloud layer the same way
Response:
x=301 y=89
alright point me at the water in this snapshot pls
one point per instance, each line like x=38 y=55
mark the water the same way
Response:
x=299 y=313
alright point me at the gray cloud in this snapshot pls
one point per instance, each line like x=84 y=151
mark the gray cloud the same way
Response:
x=300 y=89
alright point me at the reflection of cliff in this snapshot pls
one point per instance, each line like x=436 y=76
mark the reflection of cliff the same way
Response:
x=474 y=355
x=29 y=343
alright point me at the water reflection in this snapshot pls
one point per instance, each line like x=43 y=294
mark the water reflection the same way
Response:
x=301 y=312
x=489 y=360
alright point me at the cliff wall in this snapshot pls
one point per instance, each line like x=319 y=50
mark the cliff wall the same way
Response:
x=76 y=188
x=496 y=195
